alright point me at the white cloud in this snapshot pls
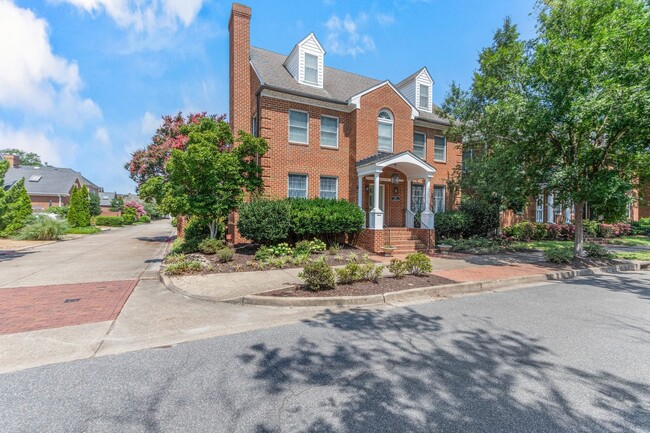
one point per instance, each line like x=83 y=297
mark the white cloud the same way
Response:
x=344 y=37
x=385 y=19
x=33 y=78
x=149 y=123
x=101 y=135
x=141 y=15
x=52 y=151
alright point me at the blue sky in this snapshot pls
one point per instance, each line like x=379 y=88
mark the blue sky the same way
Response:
x=89 y=79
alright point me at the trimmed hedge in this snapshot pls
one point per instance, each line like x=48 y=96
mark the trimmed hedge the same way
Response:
x=109 y=221
x=529 y=231
x=271 y=221
x=451 y=224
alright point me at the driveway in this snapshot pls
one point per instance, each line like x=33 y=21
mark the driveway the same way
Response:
x=568 y=356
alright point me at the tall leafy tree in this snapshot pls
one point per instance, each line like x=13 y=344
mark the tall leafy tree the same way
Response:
x=95 y=208
x=17 y=208
x=79 y=212
x=208 y=178
x=568 y=111
x=26 y=158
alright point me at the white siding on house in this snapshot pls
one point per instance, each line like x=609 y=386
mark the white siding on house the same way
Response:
x=292 y=63
x=411 y=89
x=295 y=63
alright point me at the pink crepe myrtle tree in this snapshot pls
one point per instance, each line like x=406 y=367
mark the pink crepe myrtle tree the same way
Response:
x=139 y=208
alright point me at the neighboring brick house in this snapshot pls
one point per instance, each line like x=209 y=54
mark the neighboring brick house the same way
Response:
x=336 y=134
x=46 y=185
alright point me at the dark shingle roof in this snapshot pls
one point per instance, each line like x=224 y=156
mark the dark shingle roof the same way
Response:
x=53 y=180
x=105 y=198
x=337 y=85
x=432 y=117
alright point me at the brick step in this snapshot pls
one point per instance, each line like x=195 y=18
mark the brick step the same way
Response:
x=402 y=237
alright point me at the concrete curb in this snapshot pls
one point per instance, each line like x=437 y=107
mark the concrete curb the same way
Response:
x=408 y=294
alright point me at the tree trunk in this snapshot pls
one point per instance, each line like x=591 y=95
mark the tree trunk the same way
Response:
x=579 y=234
x=213 y=229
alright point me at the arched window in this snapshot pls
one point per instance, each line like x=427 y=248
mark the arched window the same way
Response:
x=385 y=129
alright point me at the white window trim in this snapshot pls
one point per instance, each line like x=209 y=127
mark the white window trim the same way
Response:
x=289 y=127
x=337 y=132
x=425 y=144
x=304 y=69
x=428 y=106
x=434 y=148
x=306 y=183
x=390 y=122
x=336 y=178
x=444 y=197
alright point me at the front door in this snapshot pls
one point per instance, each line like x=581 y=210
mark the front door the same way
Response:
x=371 y=197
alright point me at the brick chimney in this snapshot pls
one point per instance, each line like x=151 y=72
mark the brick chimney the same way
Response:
x=240 y=74
x=14 y=160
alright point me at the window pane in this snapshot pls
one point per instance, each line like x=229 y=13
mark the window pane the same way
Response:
x=298 y=126
x=329 y=131
x=385 y=137
x=424 y=96
x=417 y=198
x=419 y=141
x=297 y=186
x=440 y=149
x=328 y=187
x=311 y=68
x=438 y=198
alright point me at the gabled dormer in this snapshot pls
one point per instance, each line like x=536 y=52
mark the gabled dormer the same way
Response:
x=305 y=63
x=418 y=89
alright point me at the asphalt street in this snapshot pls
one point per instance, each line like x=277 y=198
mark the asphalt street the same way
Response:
x=571 y=356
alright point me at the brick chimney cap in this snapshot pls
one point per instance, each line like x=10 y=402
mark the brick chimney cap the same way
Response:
x=240 y=9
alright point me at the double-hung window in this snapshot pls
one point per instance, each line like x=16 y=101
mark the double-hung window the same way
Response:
x=440 y=149
x=311 y=68
x=329 y=131
x=385 y=130
x=297 y=186
x=329 y=187
x=298 y=127
x=438 y=198
x=424 y=96
x=417 y=197
x=419 y=144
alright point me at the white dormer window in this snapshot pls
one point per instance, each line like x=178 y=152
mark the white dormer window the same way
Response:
x=305 y=62
x=311 y=68
x=424 y=96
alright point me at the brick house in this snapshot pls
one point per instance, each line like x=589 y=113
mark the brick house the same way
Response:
x=336 y=134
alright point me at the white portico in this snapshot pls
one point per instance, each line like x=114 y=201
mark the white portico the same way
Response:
x=413 y=169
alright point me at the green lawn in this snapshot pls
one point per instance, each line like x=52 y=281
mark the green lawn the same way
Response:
x=632 y=241
x=541 y=245
x=82 y=230
x=644 y=255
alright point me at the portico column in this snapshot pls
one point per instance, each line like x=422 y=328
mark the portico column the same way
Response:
x=549 y=211
x=408 y=193
x=376 y=215
x=427 y=216
x=360 y=192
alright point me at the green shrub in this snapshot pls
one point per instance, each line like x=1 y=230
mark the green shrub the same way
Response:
x=109 y=221
x=451 y=224
x=174 y=222
x=83 y=230
x=183 y=267
x=325 y=219
x=398 y=268
x=265 y=221
x=596 y=251
x=418 y=264
x=308 y=247
x=476 y=245
x=61 y=211
x=263 y=253
x=153 y=211
x=335 y=248
x=174 y=258
x=180 y=246
x=590 y=227
x=318 y=275
x=559 y=255
x=128 y=218
x=43 y=229
x=145 y=219
x=195 y=232
x=211 y=246
x=282 y=249
x=348 y=274
x=371 y=272
x=225 y=254
x=301 y=259
x=641 y=227
x=483 y=217
x=79 y=212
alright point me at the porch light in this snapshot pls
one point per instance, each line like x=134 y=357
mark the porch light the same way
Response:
x=394 y=179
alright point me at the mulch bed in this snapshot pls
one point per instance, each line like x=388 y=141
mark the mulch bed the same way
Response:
x=386 y=284
x=245 y=255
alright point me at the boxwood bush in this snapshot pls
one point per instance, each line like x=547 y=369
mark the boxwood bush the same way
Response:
x=450 y=224
x=271 y=221
x=109 y=221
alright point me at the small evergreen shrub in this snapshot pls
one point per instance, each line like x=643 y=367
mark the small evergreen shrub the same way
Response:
x=263 y=253
x=282 y=249
x=482 y=216
x=265 y=221
x=225 y=254
x=183 y=267
x=109 y=221
x=596 y=251
x=195 y=232
x=590 y=227
x=128 y=219
x=641 y=227
x=174 y=258
x=450 y=224
x=308 y=247
x=418 y=264
x=559 y=255
x=145 y=219
x=211 y=246
x=61 y=211
x=43 y=229
x=398 y=268
x=318 y=275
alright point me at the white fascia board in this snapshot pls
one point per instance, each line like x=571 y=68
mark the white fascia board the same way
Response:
x=356 y=99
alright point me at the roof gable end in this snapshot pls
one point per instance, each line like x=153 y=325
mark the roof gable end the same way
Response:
x=356 y=99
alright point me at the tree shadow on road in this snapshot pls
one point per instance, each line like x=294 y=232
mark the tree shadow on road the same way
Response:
x=154 y=238
x=402 y=371
x=624 y=282
x=8 y=255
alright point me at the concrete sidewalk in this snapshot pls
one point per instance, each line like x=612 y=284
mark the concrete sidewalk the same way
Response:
x=461 y=268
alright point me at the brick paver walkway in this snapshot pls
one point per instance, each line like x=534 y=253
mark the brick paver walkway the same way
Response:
x=494 y=272
x=43 y=307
